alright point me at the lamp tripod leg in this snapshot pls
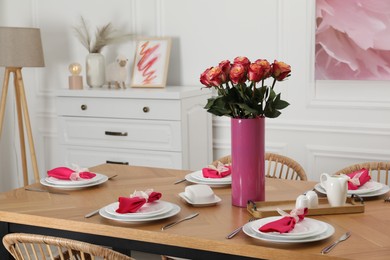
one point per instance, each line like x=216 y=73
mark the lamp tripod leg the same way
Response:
x=23 y=102
x=4 y=98
x=21 y=130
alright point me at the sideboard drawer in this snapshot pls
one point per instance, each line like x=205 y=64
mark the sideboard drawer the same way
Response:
x=121 y=133
x=119 y=108
x=88 y=157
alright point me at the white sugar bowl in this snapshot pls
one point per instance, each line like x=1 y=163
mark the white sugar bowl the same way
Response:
x=199 y=193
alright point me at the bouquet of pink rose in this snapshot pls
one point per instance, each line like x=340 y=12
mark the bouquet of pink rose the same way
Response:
x=241 y=88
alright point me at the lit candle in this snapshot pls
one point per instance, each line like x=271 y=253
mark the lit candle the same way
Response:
x=75 y=80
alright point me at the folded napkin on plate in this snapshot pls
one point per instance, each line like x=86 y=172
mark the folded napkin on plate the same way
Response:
x=220 y=171
x=130 y=205
x=286 y=223
x=153 y=196
x=64 y=173
x=136 y=200
x=358 y=178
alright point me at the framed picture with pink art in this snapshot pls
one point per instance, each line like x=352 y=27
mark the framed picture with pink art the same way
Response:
x=151 y=61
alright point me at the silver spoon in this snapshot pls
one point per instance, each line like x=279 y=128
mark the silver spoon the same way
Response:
x=178 y=221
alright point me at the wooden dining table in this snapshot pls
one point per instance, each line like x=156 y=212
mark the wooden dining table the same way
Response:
x=202 y=237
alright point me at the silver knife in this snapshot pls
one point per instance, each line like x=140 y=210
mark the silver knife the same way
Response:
x=179 y=221
x=93 y=213
x=331 y=246
x=48 y=191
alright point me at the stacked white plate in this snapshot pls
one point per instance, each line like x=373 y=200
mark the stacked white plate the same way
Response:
x=369 y=189
x=307 y=230
x=71 y=185
x=148 y=212
x=197 y=177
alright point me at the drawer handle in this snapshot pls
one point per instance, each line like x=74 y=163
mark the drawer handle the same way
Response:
x=146 y=109
x=114 y=162
x=115 y=133
x=83 y=107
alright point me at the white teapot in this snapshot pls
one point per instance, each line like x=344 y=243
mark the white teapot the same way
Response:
x=336 y=188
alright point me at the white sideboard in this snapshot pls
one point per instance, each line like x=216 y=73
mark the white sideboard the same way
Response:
x=165 y=127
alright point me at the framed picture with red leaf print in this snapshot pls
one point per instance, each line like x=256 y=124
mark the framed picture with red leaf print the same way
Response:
x=151 y=60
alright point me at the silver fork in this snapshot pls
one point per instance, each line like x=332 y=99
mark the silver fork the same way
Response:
x=235 y=232
x=387 y=199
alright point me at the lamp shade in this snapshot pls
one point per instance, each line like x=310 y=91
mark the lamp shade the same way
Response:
x=21 y=47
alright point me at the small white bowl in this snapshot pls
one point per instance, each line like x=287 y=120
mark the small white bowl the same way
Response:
x=199 y=194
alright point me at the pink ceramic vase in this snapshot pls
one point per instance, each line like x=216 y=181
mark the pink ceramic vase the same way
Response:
x=248 y=178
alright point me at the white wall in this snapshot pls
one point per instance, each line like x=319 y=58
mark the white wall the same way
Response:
x=328 y=125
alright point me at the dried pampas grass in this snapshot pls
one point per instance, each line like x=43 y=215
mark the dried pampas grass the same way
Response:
x=104 y=36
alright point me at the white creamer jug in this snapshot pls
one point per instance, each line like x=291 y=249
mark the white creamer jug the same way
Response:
x=336 y=188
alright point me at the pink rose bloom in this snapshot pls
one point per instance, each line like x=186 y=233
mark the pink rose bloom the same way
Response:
x=244 y=61
x=225 y=67
x=215 y=76
x=255 y=72
x=280 y=70
x=203 y=78
x=266 y=67
x=237 y=74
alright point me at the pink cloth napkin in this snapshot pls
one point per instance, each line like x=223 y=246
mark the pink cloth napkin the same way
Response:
x=154 y=196
x=130 y=205
x=286 y=223
x=358 y=178
x=136 y=200
x=64 y=173
x=217 y=172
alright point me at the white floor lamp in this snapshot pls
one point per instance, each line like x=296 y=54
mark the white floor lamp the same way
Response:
x=20 y=47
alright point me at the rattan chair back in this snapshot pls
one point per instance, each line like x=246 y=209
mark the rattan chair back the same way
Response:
x=24 y=246
x=276 y=166
x=379 y=171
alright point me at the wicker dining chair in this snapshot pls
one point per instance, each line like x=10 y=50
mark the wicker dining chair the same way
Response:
x=379 y=171
x=277 y=166
x=39 y=247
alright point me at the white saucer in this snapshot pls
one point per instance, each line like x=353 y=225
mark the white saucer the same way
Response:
x=209 y=203
x=247 y=229
x=191 y=179
x=383 y=190
x=75 y=186
x=175 y=210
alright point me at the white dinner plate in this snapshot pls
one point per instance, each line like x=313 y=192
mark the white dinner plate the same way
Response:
x=215 y=200
x=247 y=229
x=367 y=187
x=198 y=175
x=75 y=186
x=303 y=229
x=146 y=211
x=191 y=179
x=80 y=182
x=175 y=210
x=383 y=190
